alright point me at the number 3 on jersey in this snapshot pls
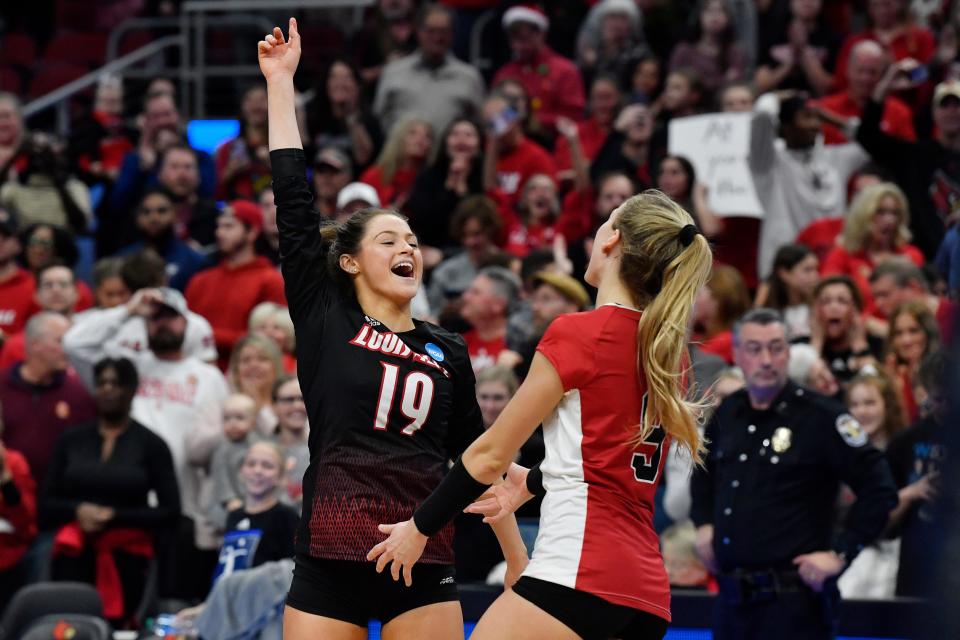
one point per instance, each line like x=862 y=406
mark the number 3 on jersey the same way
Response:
x=646 y=461
x=415 y=398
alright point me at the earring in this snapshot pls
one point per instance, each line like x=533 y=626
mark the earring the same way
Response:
x=353 y=270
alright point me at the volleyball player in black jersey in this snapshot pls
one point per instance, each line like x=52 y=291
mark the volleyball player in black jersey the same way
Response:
x=390 y=400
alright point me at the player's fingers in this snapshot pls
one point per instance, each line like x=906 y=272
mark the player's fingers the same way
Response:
x=264 y=47
x=385 y=528
x=271 y=40
x=374 y=553
x=495 y=518
x=278 y=34
x=408 y=575
x=486 y=507
x=293 y=30
x=382 y=561
x=395 y=570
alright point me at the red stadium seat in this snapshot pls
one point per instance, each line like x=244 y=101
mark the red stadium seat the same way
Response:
x=75 y=14
x=10 y=79
x=18 y=49
x=73 y=47
x=53 y=76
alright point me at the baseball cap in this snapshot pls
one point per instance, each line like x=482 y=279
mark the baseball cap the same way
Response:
x=172 y=299
x=246 y=212
x=357 y=191
x=334 y=158
x=568 y=287
x=8 y=223
x=528 y=13
x=946 y=90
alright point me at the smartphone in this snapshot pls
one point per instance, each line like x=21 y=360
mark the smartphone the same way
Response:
x=919 y=74
x=503 y=120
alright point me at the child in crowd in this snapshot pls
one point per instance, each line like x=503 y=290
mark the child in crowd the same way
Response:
x=239 y=420
x=261 y=475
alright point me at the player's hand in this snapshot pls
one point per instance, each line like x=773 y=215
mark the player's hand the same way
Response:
x=505 y=498
x=818 y=567
x=278 y=56
x=402 y=548
x=144 y=302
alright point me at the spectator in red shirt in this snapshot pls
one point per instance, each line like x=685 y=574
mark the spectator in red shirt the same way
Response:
x=876 y=229
x=403 y=157
x=227 y=293
x=243 y=163
x=511 y=157
x=605 y=98
x=896 y=281
x=627 y=147
x=867 y=64
x=16 y=284
x=890 y=26
x=486 y=308
x=18 y=515
x=56 y=292
x=40 y=396
x=552 y=82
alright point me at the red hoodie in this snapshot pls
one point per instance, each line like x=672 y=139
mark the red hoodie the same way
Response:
x=226 y=295
x=18 y=511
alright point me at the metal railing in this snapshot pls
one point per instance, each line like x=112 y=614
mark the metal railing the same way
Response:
x=194 y=17
x=60 y=98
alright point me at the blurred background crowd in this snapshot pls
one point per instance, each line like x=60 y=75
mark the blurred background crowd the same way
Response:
x=147 y=370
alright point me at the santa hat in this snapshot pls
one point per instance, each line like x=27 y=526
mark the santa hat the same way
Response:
x=529 y=13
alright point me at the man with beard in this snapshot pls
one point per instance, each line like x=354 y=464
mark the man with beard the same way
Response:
x=179 y=399
x=249 y=278
x=156 y=223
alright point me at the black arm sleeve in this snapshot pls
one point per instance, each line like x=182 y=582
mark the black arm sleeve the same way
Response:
x=535 y=482
x=865 y=470
x=163 y=480
x=56 y=510
x=701 y=483
x=893 y=153
x=302 y=253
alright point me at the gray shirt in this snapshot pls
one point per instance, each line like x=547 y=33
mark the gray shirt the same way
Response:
x=795 y=186
x=409 y=87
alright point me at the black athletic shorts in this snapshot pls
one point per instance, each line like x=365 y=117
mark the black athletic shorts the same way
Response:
x=591 y=617
x=354 y=592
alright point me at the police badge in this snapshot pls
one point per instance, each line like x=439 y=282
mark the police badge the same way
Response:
x=781 y=440
x=851 y=431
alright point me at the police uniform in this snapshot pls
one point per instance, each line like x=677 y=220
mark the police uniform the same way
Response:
x=768 y=487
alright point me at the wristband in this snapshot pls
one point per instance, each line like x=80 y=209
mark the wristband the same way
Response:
x=535 y=482
x=457 y=490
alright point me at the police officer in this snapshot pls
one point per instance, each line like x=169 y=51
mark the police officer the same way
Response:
x=764 y=501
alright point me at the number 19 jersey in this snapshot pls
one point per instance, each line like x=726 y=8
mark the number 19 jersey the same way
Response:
x=387 y=409
x=596 y=521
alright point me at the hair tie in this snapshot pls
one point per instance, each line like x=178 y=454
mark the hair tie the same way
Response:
x=687 y=234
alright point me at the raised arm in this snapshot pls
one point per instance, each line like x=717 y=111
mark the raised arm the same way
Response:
x=302 y=252
x=278 y=59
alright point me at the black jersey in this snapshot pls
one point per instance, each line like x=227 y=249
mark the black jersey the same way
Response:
x=387 y=409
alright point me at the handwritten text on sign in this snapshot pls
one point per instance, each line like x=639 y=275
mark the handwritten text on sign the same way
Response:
x=717 y=144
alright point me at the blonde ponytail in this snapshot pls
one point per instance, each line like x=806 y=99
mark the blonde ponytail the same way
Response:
x=664 y=277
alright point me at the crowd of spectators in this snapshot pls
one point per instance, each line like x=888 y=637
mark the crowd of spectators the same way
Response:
x=146 y=346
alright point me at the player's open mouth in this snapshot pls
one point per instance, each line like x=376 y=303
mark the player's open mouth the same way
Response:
x=403 y=269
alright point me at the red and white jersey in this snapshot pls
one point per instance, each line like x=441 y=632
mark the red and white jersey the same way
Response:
x=596 y=522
